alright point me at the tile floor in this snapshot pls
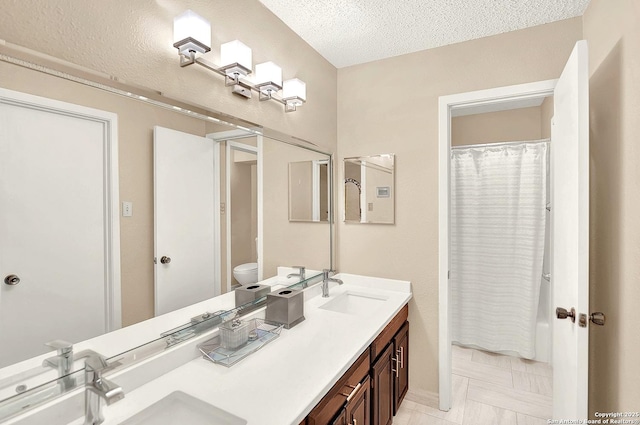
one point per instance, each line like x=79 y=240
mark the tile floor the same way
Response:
x=489 y=389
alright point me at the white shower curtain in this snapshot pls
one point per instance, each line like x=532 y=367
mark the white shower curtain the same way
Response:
x=498 y=201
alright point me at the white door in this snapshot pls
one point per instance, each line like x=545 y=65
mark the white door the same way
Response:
x=184 y=219
x=57 y=215
x=570 y=235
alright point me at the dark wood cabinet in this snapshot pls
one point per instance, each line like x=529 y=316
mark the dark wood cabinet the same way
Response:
x=341 y=419
x=383 y=377
x=390 y=369
x=401 y=384
x=330 y=408
x=371 y=391
x=358 y=409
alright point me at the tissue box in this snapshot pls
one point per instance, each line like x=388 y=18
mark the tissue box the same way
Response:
x=285 y=306
x=251 y=292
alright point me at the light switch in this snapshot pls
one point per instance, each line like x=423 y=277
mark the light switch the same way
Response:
x=127 y=209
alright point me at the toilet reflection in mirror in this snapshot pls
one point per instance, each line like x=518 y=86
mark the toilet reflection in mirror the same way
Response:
x=369 y=189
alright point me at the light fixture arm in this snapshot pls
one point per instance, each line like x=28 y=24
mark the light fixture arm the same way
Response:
x=192 y=35
x=190 y=59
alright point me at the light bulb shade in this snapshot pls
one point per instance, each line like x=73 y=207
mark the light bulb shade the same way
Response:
x=268 y=76
x=236 y=58
x=294 y=91
x=191 y=32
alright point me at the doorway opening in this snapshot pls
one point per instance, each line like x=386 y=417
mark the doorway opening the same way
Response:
x=465 y=121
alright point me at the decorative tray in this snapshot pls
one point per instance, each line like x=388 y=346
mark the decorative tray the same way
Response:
x=259 y=334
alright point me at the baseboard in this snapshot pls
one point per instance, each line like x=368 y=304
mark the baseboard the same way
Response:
x=424 y=397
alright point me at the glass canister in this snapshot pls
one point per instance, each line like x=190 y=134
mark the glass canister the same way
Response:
x=234 y=333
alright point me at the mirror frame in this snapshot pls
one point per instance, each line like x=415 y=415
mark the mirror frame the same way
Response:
x=67 y=71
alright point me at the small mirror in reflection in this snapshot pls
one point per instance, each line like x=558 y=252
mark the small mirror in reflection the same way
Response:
x=309 y=190
x=369 y=189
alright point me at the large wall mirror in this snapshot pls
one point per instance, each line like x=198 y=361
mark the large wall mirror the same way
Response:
x=369 y=190
x=191 y=196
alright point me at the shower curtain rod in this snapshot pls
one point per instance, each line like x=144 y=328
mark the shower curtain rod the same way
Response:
x=489 y=145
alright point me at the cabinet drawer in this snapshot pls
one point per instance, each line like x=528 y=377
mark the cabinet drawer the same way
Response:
x=379 y=344
x=333 y=402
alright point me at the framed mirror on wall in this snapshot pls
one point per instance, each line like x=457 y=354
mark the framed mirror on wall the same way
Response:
x=369 y=192
x=249 y=208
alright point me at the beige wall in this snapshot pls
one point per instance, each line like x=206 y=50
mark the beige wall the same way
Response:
x=300 y=243
x=378 y=210
x=241 y=209
x=404 y=120
x=612 y=28
x=503 y=126
x=301 y=191
x=132 y=40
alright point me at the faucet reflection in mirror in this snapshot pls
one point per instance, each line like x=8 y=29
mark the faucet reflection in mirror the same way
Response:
x=192 y=36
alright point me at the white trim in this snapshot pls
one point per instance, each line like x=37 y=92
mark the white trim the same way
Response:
x=113 y=293
x=364 y=207
x=217 y=249
x=229 y=136
x=260 y=173
x=227 y=213
x=467 y=103
x=223 y=136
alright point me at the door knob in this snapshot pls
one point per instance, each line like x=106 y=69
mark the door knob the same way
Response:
x=562 y=313
x=597 y=318
x=12 y=280
x=165 y=260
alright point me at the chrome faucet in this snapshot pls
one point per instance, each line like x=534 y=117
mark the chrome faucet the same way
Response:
x=301 y=273
x=302 y=270
x=98 y=388
x=325 y=282
x=63 y=362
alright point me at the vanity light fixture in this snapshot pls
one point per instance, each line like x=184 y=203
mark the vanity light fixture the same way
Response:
x=268 y=79
x=192 y=36
x=294 y=94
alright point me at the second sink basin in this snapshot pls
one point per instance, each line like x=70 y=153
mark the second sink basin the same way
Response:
x=181 y=408
x=354 y=303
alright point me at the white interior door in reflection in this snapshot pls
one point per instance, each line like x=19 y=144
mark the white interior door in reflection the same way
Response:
x=54 y=225
x=184 y=220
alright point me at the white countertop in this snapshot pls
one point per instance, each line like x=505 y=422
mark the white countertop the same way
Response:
x=284 y=380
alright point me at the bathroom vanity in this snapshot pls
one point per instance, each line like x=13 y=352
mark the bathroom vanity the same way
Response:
x=350 y=343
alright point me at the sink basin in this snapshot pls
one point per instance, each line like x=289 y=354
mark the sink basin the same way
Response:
x=181 y=408
x=354 y=303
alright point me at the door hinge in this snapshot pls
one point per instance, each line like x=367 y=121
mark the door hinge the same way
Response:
x=449 y=274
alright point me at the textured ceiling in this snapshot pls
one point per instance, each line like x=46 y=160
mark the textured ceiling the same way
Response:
x=349 y=32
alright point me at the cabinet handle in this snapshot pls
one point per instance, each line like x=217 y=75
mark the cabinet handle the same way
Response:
x=352 y=393
x=395 y=359
x=401 y=356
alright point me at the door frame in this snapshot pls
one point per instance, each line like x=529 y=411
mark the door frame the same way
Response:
x=481 y=101
x=109 y=120
x=315 y=187
x=230 y=137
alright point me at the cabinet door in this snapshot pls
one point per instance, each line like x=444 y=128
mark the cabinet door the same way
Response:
x=383 y=375
x=341 y=419
x=401 y=342
x=359 y=406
